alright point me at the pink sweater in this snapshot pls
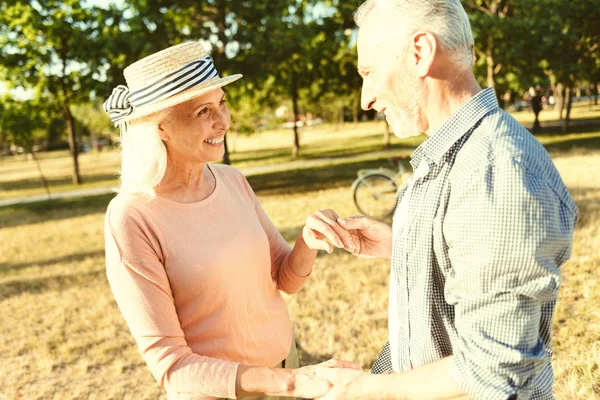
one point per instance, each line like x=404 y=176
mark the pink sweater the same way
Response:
x=198 y=284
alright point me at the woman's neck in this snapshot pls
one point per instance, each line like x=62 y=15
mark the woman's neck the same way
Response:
x=186 y=182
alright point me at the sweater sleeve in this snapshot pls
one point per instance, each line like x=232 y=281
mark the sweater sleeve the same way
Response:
x=281 y=271
x=141 y=288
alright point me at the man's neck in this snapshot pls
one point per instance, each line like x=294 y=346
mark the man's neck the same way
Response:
x=446 y=97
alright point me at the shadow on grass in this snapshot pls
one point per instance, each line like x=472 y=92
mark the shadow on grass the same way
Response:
x=576 y=126
x=574 y=146
x=368 y=143
x=36 y=183
x=311 y=179
x=260 y=155
x=41 y=285
x=31 y=213
x=9 y=267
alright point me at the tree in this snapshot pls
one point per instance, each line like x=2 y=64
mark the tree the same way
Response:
x=571 y=46
x=49 y=46
x=23 y=124
x=94 y=119
x=508 y=49
x=233 y=30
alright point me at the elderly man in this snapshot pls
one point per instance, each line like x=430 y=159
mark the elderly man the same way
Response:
x=480 y=231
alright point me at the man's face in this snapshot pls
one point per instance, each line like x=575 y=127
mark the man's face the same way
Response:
x=389 y=86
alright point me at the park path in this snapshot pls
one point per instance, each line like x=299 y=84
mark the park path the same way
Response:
x=261 y=169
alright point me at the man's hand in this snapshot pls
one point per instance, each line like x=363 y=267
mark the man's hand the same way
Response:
x=346 y=382
x=370 y=238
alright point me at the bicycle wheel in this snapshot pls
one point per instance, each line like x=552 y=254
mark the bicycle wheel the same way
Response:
x=375 y=195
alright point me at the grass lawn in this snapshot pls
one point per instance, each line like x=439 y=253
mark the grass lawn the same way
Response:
x=20 y=177
x=62 y=336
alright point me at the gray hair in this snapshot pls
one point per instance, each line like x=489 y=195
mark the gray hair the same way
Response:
x=143 y=156
x=447 y=20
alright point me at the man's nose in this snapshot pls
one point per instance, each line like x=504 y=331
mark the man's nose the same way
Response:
x=367 y=100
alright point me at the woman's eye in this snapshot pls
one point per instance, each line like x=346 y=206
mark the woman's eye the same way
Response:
x=223 y=102
x=202 y=112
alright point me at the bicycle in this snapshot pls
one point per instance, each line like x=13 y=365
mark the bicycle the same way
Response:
x=376 y=190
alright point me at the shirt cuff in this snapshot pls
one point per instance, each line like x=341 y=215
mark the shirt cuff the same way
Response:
x=228 y=391
x=289 y=281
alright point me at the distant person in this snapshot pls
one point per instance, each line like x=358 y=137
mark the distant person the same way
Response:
x=194 y=263
x=536 y=106
x=480 y=231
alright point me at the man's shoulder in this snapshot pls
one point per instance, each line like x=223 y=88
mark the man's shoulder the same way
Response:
x=497 y=141
x=496 y=146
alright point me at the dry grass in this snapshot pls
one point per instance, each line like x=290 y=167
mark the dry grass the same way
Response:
x=61 y=334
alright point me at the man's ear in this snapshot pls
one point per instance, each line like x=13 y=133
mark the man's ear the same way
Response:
x=423 y=48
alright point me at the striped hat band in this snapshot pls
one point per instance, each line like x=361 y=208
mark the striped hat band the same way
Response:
x=123 y=102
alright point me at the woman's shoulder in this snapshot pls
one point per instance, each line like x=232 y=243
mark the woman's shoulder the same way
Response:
x=233 y=179
x=229 y=173
x=127 y=206
x=225 y=169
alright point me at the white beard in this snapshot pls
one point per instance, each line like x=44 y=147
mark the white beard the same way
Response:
x=404 y=122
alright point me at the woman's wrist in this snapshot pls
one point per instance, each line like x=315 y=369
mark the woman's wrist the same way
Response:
x=263 y=381
x=301 y=258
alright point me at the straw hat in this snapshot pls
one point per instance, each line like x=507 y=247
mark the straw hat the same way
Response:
x=162 y=80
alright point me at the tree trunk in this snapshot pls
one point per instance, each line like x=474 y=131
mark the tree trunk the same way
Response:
x=72 y=144
x=355 y=105
x=226 y=159
x=296 y=146
x=559 y=94
x=39 y=167
x=569 y=100
x=489 y=61
x=386 y=135
x=339 y=118
x=597 y=88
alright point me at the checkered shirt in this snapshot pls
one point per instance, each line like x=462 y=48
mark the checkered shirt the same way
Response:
x=476 y=262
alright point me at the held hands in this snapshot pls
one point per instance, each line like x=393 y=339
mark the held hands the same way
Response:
x=360 y=236
x=326 y=380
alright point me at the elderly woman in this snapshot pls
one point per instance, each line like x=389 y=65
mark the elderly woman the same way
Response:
x=194 y=263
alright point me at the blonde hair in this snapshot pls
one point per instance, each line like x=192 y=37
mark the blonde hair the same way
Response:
x=143 y=156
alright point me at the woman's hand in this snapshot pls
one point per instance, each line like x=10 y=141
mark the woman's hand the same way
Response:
x=322 y=232
x=308 y=385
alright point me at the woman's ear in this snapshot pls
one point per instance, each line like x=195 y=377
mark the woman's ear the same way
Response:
x=162 y=132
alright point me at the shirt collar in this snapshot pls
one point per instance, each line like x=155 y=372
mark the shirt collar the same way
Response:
x=460 y=122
